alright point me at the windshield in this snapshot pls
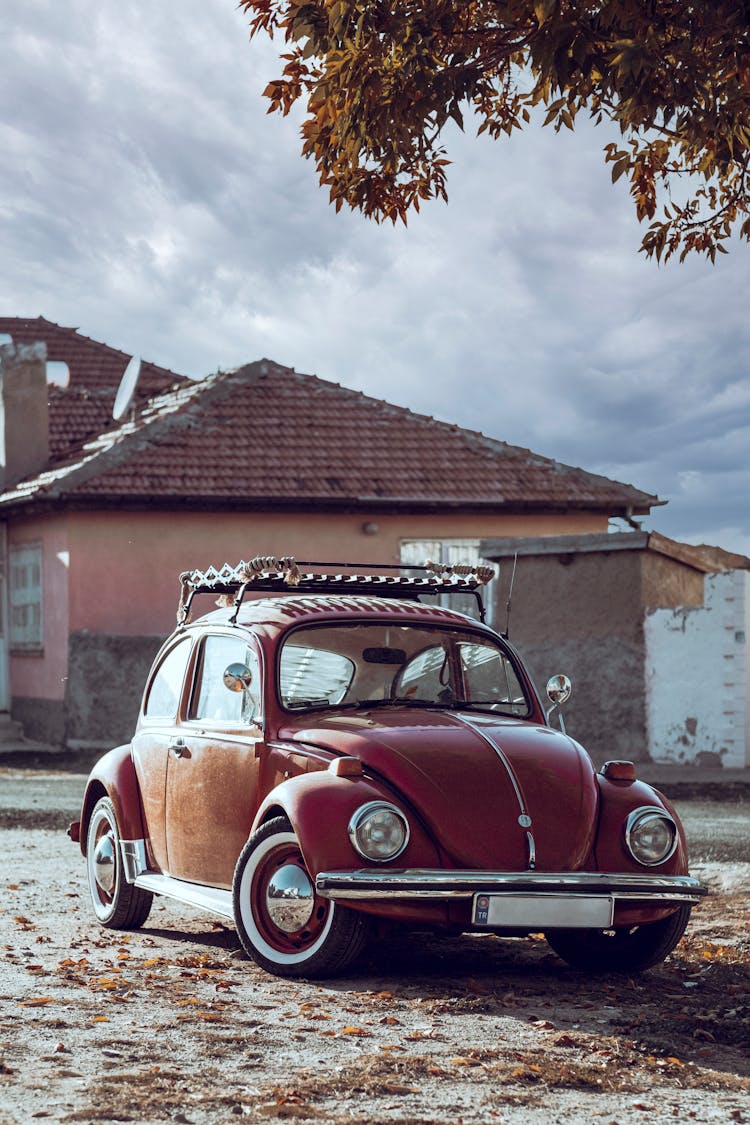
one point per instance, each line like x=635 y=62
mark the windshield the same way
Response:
x=370 y=664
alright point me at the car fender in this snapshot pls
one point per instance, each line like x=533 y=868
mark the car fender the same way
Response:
x=319 y=807
x=114 y=776
x=617 y=799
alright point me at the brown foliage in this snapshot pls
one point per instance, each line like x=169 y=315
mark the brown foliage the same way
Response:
x=380 y=78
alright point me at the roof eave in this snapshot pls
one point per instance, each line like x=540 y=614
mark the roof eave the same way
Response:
x=42 y=501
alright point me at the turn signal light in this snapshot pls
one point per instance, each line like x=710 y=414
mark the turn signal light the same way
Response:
x=346 y=767
x=618 y=771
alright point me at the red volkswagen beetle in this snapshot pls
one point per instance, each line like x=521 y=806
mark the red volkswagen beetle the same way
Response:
x=342 y=749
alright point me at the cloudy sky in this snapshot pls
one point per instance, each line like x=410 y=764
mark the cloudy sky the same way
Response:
x=147 y=199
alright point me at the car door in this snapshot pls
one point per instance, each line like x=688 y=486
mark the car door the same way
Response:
x=213 y=769
x=158 y=727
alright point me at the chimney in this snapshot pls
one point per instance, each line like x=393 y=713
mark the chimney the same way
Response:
x=24 y=416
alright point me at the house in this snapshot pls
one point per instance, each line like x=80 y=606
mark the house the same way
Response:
x=652 y=634
x=100 y=515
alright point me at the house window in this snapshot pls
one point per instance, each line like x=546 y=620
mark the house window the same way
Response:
x=452 y=552
x=25 y=596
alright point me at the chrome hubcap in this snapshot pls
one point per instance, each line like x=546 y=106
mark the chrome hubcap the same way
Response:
x=290 y=898
x=104 y=864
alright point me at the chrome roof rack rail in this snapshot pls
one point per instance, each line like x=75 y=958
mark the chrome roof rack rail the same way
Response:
x=284 y=576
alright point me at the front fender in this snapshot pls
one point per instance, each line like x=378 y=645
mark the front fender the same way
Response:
x=114 y=776
x=319 y=807
x=617 y=799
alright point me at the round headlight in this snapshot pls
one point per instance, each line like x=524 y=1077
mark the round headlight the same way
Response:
x=651 y=835
x=379 y=831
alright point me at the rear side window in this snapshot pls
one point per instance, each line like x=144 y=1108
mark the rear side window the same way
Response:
x=166 y=686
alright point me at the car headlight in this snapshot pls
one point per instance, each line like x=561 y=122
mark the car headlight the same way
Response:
x=379 y=831
x=650 y=835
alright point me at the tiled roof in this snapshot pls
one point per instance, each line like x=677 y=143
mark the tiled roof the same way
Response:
x=266 y=436
x=83 y=409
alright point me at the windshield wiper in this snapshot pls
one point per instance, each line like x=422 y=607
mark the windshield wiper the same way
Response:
x=506 y=706
x=399 y=701
x=307 y=704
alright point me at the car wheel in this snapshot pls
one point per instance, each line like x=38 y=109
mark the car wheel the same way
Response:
x=626 y=951
x=282 y=923
x=117 y=904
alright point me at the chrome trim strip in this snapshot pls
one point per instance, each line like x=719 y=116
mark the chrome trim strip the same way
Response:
x=133 y=859
x=214 y=899
x=431 y=883
x=501 y=755
x=524 y=819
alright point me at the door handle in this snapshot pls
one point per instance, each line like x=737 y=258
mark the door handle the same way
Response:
x=178 y=748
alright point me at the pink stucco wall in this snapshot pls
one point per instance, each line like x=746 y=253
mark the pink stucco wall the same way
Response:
x=42 y=675
x=117 y=573
x=124 y=567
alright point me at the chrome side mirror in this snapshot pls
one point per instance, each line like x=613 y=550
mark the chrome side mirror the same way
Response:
x=558 y=692
x=237 y=677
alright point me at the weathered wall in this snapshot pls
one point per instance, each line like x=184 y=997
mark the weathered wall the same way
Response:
x=580 y=614
x=666 y=582
x=697 y=677
x=580 y=611
x=106 y=677
x=43 y=720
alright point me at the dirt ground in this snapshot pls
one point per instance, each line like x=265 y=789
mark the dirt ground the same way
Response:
x=173 y=1023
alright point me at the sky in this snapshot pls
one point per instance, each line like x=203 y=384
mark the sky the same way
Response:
x=148 y=199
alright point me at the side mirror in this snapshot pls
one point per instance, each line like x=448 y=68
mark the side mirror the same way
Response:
x=237 y=677
x=558 y=690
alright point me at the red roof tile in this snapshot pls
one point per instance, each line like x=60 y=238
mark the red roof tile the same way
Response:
x=266 y=436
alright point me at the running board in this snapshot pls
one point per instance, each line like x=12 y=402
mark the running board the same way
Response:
x=214 y=899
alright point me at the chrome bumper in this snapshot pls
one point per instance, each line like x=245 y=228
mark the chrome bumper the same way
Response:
x=427 y=883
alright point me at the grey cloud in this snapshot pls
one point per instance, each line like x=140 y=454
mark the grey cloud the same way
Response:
x=146 y=197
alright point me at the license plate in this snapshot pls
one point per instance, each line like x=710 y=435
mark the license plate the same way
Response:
x=544 y=912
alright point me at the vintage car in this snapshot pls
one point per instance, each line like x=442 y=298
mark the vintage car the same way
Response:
x=330 y=753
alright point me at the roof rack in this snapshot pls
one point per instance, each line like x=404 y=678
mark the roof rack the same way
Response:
x=283 y=575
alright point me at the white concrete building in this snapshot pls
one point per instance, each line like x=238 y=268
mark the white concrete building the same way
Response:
x=698 y=676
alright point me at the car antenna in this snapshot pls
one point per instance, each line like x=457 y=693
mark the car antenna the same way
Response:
x=506 y=634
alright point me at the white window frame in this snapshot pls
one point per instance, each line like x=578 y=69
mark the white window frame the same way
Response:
x=25 y=597
x=452 y=552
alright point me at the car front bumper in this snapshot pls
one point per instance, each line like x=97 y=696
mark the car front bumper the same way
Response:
x=525 y=898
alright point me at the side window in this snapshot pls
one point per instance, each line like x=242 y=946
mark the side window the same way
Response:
x=212 y=699
x=166 y=686
x=25 y=596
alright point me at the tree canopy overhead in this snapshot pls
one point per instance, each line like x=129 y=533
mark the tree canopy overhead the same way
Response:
x=379 y=79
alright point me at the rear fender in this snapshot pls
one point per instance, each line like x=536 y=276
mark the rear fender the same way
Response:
x=114 y=776
x=319 y=807
x=617 y=799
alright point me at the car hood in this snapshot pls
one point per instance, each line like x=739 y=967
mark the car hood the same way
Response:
x=470 y=777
